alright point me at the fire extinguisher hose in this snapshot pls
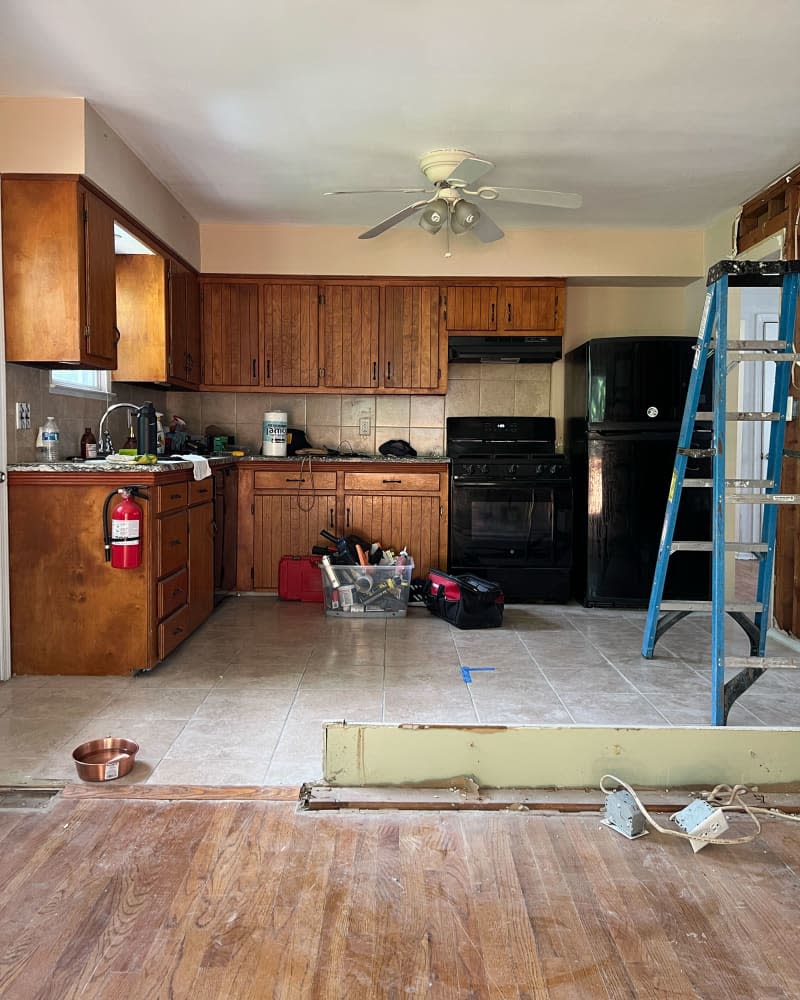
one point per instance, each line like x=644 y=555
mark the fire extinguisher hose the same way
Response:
x=132 y=491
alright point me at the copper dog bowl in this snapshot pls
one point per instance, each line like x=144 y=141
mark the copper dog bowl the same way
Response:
x=103 y=760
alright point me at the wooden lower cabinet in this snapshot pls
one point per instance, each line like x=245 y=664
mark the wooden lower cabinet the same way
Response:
x=225 y=516
x=71 y=611
x=282 y=510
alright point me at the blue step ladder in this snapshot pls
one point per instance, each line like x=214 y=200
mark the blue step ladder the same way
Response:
x=713 y=347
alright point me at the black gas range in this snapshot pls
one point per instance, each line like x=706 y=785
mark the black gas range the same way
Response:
x=511 y=505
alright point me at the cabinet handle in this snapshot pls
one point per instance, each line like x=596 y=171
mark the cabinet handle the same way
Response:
x=255 y=370
x=117 y=334
x=297 y=479
x=176 y=591
x=269 y=369
x=388 y=371
x=491 y=315
x=175 y=496
x=393 y=480
x=189 y=362
x=203 y=490
x=330 y=518
x=508 y=312
x=347 y=518
x=177 y=630
x=176 y=541
x=374 y=371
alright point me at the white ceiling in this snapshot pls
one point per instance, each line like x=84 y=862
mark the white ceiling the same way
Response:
x=658 y=113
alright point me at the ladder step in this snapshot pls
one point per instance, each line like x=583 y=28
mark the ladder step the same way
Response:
x=760 y=663
x=709 y=546
x=777 y=498
x=755 y=484
x=698 y=452
x=742 y=415
x=754 y=345
x=745 y=606
x=763 y=356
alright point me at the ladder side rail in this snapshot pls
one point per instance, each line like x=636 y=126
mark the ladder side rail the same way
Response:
x=701 y=350
x=769 y=523
x=718 y=508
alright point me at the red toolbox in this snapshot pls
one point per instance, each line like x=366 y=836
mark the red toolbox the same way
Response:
x=299 y=578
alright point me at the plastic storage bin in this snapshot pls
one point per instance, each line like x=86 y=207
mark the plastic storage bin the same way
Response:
x=366 y=591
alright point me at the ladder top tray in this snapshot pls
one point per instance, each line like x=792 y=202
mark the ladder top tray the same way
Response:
x=753 y=273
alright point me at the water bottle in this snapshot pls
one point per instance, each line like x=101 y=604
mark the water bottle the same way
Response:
x=50 y=438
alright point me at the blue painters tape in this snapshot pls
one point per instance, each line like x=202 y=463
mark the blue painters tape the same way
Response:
x=467 y=672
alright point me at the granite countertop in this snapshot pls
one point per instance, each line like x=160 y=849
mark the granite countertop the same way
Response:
x=214 y=460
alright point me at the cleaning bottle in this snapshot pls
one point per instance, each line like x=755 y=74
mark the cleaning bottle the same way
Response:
x=88 y=444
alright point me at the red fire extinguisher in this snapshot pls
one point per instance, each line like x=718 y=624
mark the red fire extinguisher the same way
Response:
x=123 y=544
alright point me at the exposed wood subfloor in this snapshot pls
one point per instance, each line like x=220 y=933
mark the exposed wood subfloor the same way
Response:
x=112 y=898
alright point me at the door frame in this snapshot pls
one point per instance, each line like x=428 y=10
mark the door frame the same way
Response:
x=5 y=613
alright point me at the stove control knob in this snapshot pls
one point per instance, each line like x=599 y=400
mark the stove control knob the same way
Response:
x=513 y=470
x=553 y=469
x=539 y=469
x=483 y=469
x=466 y=470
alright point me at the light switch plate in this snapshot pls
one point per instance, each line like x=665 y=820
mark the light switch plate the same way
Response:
x=23 y=416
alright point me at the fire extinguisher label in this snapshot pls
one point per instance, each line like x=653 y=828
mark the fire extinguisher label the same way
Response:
x=125 y=531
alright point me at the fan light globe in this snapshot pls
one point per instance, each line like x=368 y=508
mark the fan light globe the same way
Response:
x=465 y=217
x=434 y=216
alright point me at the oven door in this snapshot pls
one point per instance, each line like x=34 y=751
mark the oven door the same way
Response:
x=494 y=525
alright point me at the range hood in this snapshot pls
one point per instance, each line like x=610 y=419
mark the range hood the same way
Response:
x=505 y=350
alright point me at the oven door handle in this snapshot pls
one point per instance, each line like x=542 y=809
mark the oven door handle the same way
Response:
x=516 y=484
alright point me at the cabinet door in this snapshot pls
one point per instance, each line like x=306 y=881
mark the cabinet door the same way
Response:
x=349 y=316
x=201 y=563
x=472 y=309
x=141 y=318
x=410 y=355
x=100 y=309
x=411 y=522
x=530 y=308
x=225 y=502
x=291 y=351
x=286 y=526
x=194 y=341
x=184 y=325
x=230 y=333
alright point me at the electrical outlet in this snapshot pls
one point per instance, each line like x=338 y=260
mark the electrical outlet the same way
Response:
x=363 y=426
x=23 y=416
x=712 y=826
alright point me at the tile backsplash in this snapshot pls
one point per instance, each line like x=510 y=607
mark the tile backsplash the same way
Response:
x=328 y=420
x=334 y=420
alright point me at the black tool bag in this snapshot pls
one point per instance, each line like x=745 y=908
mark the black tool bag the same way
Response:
x=464 y=601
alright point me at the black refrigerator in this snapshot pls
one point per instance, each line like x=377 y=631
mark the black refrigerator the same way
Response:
x=624 y=399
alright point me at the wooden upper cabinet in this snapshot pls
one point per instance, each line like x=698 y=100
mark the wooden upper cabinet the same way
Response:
x=183 y=304
x=141 y=318
x=290 y=319
x=472 y=308
x=230 y=333
x=349 y=329
x=522 y=307
x=410 y=350
x=59 y=277
x=529 y=308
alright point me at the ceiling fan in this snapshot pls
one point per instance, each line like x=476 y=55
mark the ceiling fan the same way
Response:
x=452 y=172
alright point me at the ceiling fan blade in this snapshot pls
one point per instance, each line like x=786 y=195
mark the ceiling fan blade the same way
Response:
x=529 y=196
x=392 y=220
x=384 y=191
x=468 y=171
x=487 y=230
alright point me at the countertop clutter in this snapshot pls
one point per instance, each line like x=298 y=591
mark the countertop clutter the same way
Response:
x=175 y=465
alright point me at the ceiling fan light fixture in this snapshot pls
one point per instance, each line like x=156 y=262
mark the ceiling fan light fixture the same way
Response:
x=465 y=216
x=434 y=216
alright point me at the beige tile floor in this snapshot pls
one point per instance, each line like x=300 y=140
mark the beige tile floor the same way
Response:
x=244 y=699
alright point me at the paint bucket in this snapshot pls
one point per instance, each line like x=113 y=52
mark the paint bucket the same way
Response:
x=273 y=441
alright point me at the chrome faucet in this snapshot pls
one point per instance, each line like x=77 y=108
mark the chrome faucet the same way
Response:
x=106 y=445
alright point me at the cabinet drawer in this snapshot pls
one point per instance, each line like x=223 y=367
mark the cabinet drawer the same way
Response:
x=173 y=542
x=201 y=490
x=171 y=497
x=295 y=479
x=172 y=632
x=172 y=593
x=392 y=482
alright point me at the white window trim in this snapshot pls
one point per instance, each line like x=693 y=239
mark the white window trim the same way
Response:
x=85 y=391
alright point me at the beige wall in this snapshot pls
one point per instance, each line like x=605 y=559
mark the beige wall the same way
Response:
x=621 y=253
x=38 y=135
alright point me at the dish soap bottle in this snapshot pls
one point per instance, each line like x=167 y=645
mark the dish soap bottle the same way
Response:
x=50 y=437
x=88 y=444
